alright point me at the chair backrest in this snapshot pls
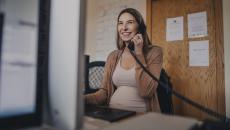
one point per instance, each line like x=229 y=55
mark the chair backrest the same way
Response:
x=94 y=76
x=164 y=95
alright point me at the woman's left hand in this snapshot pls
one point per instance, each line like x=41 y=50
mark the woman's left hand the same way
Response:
x=138 y=43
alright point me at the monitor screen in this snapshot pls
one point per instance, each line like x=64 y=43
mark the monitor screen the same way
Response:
x=21 y=68
x=19 y=59
x=1 y=27
x=25 y=51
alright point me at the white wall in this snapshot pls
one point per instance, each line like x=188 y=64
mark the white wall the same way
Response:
x=226 y=11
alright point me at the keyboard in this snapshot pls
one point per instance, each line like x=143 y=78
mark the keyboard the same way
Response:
x=107 y=113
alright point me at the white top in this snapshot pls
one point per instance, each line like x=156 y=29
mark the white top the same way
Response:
x=126 y=95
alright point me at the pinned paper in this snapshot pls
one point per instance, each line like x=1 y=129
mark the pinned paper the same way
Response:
x=174 y=29
x=197 y=25
x=199 y=53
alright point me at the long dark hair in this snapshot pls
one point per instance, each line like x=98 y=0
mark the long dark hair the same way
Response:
x=141 y=29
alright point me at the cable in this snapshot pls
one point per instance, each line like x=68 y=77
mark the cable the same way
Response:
x=219 y=116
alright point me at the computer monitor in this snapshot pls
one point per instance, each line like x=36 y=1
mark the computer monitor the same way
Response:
x=1 y=29
x=66 y=63
x=24 y=46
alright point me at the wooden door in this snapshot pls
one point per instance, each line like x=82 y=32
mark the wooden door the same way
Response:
x=204 y=85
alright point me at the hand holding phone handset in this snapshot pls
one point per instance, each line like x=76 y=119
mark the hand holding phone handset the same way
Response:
x=131 y=45
x=136 y=43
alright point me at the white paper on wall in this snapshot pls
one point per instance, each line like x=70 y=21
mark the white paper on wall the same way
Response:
x=197 y=25
x=174 y=29
x=199 y=53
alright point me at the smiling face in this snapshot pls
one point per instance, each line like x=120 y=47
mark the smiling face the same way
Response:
x=127 y=27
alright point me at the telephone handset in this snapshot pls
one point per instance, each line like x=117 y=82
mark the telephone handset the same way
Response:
x=131 y=45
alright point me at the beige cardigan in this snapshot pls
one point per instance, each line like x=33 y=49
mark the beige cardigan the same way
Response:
x=146 y=85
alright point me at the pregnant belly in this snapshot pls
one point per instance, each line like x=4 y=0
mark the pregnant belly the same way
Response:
x=127 y=98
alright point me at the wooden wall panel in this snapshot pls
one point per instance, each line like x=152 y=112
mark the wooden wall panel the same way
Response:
x=218 y=13
x=201 y=84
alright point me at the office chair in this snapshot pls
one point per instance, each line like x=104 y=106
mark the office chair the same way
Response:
x=94 y=76
x=164 y=95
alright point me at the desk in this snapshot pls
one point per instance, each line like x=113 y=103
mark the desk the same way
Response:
x=149 y=121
